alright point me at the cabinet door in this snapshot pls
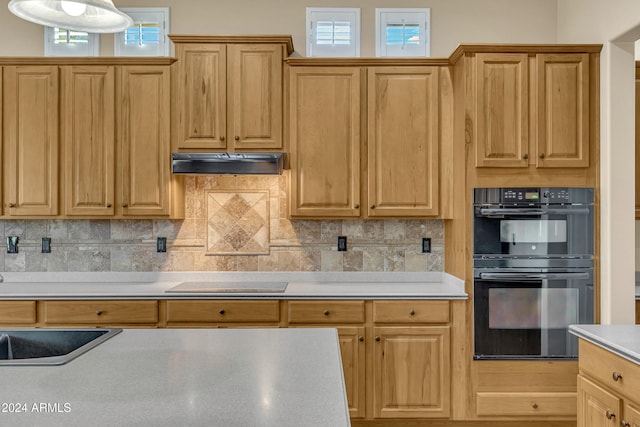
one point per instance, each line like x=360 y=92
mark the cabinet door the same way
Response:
x=144 y=140
x=201 y=95
x=596 y=406
x=631 y=415
x=501 y=125
x=31 y=140
x=403 y=141
x=411 y=372
x=88 y=136
x=325 y=142
x=563 y=110
x=255 y=95
x=352 y=349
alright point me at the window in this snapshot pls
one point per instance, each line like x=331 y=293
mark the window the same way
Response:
x=403 y=32
x=147 y=36
x=333 y=32
x=61 y=42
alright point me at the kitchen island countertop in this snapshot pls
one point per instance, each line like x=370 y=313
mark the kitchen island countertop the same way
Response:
x=189 y=377
x=622 y=340
x=300 y=285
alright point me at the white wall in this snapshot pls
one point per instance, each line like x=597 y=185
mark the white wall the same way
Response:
x=453 y=21
x=617 y=25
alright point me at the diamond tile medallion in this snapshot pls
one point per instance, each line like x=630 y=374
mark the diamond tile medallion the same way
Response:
x=237 y=222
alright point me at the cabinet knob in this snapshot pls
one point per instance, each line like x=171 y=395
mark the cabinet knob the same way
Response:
x=624 y=423
x=326 y=312
x=610 y=415
x=525 y=156
x=108 y=205
x=617 y=376
x=11 y=205
x=378 y=338
x=99 y=313
x=541 y=155
x=125 y=205
x=221 y=311
x=535 y=405
x=412 y=313
x=361 y=338
x=237 y=138
x=372 y=206
x=221 y=137
x=357 y=206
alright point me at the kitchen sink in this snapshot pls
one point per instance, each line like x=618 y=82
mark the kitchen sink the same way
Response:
x=36 y=347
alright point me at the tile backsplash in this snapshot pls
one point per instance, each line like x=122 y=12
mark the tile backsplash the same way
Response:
x=288 y=245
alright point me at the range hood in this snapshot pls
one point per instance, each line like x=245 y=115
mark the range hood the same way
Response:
x=227 y=163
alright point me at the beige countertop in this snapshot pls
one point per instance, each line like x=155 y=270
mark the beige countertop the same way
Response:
x=263 y=285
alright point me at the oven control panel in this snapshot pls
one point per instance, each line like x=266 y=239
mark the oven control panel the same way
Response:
x=535 y=195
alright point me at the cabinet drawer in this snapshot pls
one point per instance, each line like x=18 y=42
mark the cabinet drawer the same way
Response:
x=100 y=312
x=605 y=366
x=411 y=311
x=17 y=312
x=220 y=311
x=526 y=404
x=326 y=312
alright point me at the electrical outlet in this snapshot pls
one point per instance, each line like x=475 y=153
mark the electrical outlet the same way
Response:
x=426 y=245
x=46 y=245
x=161 y=245
x=12 y=244
x=342 y=243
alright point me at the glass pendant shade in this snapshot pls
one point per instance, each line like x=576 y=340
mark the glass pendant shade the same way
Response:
x=92 y=16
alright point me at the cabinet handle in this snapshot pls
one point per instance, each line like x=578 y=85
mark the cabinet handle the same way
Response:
x=535 y=405
x=541 y=155
x=361 y=338
x=378 y=338
x=11 y=205
x=412 y=313
x=326 y=312
x=617 y=376
x=525 y=156
x=221 y=137
x=221 y=311
x=237 y=138
x=99 y=313
x=624 y=423
x=610 y=415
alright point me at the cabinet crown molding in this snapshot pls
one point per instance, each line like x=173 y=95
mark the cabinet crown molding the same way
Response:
x=287 y=40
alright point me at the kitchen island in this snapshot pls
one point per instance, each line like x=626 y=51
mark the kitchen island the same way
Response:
x=188 y=377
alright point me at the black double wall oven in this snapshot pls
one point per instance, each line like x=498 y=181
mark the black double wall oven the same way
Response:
x=533 y=271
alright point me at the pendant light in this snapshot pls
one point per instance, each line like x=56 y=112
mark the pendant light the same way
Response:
x=92 y=16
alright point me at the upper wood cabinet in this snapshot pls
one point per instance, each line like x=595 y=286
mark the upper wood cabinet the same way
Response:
x=531 y=110
x=88 y=135
x=228 y=91
x=324 y=133
x=403 y=141
x=389 y=112
x=144 y=165
x=31 y=144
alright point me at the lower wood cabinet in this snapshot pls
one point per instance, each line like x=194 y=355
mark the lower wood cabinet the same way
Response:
x=17 y=313
x=212 y=312
x=99 y=313
x=608 y=389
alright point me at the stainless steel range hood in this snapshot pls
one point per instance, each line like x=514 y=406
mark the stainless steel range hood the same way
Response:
x=227 y=163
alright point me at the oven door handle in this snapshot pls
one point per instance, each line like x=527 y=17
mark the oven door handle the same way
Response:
x=534 y=276
x=534 y=211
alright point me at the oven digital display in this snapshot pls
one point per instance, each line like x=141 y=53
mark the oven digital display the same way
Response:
x=532 y=195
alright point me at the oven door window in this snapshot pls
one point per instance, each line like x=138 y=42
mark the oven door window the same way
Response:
x=527 y=319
